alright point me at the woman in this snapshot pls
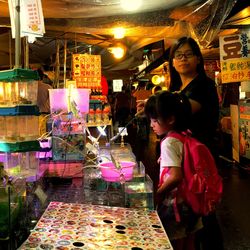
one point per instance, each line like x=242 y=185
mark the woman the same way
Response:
x=187 y=74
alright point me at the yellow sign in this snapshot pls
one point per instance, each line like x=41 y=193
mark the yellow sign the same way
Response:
x=245 y=116
x=87 y=70
x=235 y=58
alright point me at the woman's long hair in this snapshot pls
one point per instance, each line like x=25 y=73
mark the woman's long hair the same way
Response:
x=175 y=80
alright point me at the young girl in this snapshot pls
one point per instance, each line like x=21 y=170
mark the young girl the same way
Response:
x=167 y=112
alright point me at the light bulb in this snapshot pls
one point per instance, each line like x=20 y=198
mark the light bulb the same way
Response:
x=118 y=52
x=119 y=33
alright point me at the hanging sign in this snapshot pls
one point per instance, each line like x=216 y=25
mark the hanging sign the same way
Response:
x=235 y=57
x=117 y=85
x=87 y=71
x=31 y=18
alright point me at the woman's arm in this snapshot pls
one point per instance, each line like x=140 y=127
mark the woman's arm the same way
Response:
x=195 y=106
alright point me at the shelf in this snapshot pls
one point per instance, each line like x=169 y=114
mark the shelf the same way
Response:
x=19 y=110
x=25 y=146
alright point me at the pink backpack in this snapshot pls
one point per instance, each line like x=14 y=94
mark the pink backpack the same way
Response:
x=202 y=185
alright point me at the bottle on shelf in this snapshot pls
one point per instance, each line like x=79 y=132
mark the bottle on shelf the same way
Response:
x=98 y=116
x=91 y=116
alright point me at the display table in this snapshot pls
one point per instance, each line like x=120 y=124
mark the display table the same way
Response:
x=84 y=226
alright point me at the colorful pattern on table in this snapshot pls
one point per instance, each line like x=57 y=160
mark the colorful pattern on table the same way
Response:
x=71 y=226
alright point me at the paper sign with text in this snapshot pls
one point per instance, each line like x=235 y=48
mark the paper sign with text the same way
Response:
x=31 y=18
x=235 y=57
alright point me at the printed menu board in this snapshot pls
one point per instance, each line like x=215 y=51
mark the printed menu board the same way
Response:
x=87 y=70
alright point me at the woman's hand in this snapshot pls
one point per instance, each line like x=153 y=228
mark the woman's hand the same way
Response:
x=140 y=104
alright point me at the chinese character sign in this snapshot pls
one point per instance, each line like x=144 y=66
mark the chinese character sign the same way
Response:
x=235 y=57
x=87 y=70
x=31 y=18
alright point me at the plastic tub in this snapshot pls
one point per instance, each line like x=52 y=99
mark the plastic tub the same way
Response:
x=65 y=100
x=112 y=174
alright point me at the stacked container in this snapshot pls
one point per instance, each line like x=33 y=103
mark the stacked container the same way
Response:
x=68 y=126
x=19 y=121
x=19 y=131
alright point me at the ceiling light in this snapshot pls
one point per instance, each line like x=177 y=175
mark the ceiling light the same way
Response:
x=119 y=33
x=118 y=52
x=131 y=5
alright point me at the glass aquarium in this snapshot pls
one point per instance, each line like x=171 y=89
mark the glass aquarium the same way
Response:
x=68 y=147
x=139 y=194
x=118 y=152
x=12 y=204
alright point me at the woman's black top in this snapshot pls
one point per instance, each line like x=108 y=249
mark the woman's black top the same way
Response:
x=204 y=123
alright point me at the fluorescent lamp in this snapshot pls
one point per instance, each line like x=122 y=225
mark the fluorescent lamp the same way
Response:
x=102 y=131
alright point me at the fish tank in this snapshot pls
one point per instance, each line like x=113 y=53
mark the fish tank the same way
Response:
x=68 y=147
x=66 y=124
x=12 y=206
x=68 y=138
x=118 y=152
x=97 y=191
x=18 y=87
x=139 y=194
x=19 y=128
x=20 y=164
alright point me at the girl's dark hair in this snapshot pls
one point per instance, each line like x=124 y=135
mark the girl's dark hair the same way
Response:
x=175 y=80
x=165 y=104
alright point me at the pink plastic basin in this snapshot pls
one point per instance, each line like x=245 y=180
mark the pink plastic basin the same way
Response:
x=111 y=174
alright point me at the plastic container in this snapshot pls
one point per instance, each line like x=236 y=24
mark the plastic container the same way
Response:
x=18 y=87
x=111 y=174
x=119 y=153
x=19 y=128
x=20 y=164
x=65 y=100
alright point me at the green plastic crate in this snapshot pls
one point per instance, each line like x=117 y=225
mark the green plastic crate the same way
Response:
x=14 y=75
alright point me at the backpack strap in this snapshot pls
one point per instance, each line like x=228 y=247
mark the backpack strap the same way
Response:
x=164 y=171
x=176 y=211
x=179 y=136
